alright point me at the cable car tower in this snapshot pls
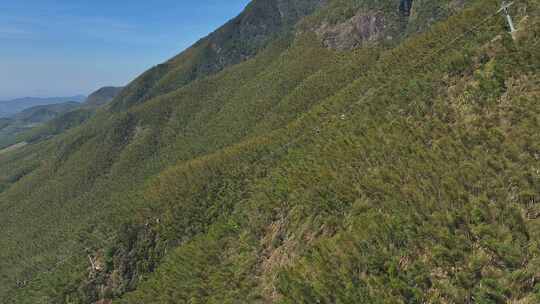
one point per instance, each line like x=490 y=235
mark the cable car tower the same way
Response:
x=504 y=9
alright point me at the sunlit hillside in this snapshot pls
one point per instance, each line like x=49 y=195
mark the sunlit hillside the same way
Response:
x=306 y=152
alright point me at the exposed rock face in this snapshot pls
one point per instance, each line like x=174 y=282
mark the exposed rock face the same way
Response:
x=371 y=25
x=362 y=28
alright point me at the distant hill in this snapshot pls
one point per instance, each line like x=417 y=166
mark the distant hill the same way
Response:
x=10 y=107
x=4 y=122
x=11 y=127
x=40 y=114
x=42 y=121
x=102 y=96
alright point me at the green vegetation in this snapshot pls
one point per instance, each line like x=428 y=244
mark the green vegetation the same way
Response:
x=300 y=175
x=102 y=96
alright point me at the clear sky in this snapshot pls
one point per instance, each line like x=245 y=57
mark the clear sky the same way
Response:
x=69 y=47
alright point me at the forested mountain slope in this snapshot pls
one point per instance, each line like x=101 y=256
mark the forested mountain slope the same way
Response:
x=371 y=152
x=240 y=39
x=102 y=96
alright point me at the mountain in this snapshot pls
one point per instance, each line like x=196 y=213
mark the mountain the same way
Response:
x=102 y=96
x=236 y=41
x=340 y=151
x=14 y=106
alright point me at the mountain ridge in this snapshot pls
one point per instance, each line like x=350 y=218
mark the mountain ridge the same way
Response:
x=237 y=40
x=10 y=107
x=102 y=96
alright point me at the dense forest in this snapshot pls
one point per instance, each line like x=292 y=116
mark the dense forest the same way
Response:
x=308 y=151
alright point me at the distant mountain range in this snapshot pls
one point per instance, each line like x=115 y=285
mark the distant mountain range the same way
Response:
x=12 y=126
x=10 y=107
x=18 y=118
x=39 y=114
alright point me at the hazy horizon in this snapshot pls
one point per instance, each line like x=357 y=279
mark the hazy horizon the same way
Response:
x=67 y=48
x=44 y=97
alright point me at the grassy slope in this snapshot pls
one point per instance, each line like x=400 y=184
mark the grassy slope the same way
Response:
x=255 y=221
x=406 y=207
x=93 y=166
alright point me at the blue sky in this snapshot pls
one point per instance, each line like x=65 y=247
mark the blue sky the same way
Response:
x=69 y=47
